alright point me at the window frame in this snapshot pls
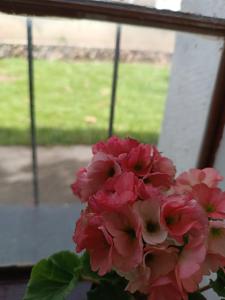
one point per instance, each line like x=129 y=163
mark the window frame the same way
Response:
x=117 y=12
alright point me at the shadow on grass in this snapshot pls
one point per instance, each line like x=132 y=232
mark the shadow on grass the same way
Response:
x=58 y=136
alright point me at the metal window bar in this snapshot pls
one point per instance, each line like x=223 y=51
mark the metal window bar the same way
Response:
x=115 y=79
x=32 y=101
x=32 y=111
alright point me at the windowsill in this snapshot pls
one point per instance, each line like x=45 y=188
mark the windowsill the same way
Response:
x=31 y=233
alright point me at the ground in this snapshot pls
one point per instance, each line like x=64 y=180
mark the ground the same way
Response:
x=72 y=104
x=72 y=101
x=57 y=168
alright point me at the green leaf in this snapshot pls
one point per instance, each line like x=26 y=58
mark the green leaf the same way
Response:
x=54 y=278
x=196 y=296
x=219 y=284
x=111 y=287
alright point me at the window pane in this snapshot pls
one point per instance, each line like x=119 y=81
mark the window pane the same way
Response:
x=73 y=67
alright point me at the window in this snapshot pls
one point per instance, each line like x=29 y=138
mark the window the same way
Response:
x=28 y=227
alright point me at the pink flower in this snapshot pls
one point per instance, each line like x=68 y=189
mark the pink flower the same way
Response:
x=159 y=180
x=138 y=279
x=125 y=228
x=191 y=284
x=163 y=165
x=115 y=146
x=212 y=177
x=163 y=235
x=165 y=288
x=117 y=192
x=138 y=160
x=189 y=268
x=149 y=213
x=161 y=173
x=216 y=240
x=213 y=263
x=179 y=214
x=211 y=199
x=78 y=187
x=160 y=260
x=187 y=223
x=187 y=180
x=157 y=262
x=90 y=234
x=190 y=261
x=91 y=179
x=147 y=191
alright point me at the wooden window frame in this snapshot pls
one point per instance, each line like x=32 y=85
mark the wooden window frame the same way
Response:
x=117 y=12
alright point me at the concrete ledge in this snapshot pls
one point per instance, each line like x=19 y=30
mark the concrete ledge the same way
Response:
x=65 y=52
x=29 y=234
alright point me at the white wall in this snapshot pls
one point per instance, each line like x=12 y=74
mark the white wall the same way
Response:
x=193 y=75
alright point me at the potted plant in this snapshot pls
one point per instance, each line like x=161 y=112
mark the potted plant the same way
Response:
x=143 y=234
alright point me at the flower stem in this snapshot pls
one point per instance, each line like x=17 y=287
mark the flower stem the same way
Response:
x=204 y=288
x=89 y=279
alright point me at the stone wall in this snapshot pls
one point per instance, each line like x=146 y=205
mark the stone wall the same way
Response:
x=56 y=52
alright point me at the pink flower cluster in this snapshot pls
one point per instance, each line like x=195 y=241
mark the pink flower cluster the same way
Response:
x=161 y=233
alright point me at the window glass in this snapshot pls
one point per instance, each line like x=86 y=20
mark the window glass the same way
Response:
x=164 y=88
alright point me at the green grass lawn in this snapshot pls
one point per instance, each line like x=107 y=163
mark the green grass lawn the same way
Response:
x=73 y=98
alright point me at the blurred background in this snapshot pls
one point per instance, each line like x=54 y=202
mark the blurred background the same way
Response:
x=73 y=70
